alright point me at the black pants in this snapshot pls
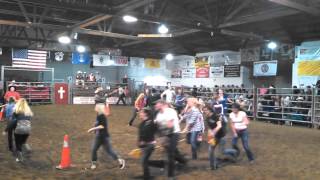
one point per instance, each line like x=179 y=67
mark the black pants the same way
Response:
x=147 y=151
x=122 y=98
x=20 y=139
x=10 y=140
x=105 y=142
x=173 y=153
x=134 y=115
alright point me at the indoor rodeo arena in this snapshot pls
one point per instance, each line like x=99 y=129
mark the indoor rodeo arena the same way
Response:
x=159 y=89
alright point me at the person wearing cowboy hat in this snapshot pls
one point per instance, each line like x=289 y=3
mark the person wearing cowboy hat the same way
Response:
x=12 y=93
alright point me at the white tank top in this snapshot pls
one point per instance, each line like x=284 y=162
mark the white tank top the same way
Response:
x=238 y=120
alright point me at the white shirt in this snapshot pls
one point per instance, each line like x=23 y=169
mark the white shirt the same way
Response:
x=167 y=115
x=169 y=95
x=121 y=91
x=238 y=120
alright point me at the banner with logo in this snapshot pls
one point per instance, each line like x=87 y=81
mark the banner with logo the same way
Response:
x=232 y=71
x=136 y=62
x=202 y=62
x=152 y=63
x=309 y=68
x=202 y=72
x=176 y=73
x=106 y=60
x=217 y=71
x=188 y=73
x=265 y=68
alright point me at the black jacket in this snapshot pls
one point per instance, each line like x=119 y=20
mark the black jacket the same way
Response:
x=147 y=130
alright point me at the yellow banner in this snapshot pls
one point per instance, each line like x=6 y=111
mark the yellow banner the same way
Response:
x=309 y=68
x=202 y=62
x=151 y=63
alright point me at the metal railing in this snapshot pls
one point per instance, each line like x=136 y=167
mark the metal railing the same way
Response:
x=35 y=92
x=316 y=108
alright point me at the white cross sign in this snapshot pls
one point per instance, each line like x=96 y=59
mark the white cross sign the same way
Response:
x=61 y=91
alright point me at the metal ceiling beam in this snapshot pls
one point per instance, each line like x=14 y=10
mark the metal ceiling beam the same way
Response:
x=131 y=5
x=107 y=34
x=242 y=34
x=24 y=12
x=244 y=4
x=260 y=16
x=91 y=21
x=298 y=6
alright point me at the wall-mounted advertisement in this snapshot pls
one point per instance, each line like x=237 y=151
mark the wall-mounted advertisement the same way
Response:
x=188 y=73
x=217 y=71
x=202 y=72
x=232 y=71
x=265 y=68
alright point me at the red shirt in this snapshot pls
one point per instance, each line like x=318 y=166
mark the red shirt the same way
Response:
x=14 y=94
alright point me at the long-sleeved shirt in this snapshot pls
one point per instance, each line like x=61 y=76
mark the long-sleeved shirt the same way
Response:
x=194 y=119
x=147 y=130
x=15 y=118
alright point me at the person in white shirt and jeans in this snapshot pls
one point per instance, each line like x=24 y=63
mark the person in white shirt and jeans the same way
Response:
x=169 y=93
x=239 y=126
x=168 y=126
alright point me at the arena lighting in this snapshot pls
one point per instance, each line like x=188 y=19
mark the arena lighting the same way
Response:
x=64 y=39
x=272 y=45
x=169 y=57
x=81 y=49
x=163 y=29
x=129 y=19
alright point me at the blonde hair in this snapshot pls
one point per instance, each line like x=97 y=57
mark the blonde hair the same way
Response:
x=194 y=102
x=100 y=108
x=22 y=107
x=141 y=95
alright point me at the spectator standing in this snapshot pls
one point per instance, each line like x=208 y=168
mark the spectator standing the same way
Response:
x=169 y=95
x=122 y=96
x=12 y=93
x=180 y=101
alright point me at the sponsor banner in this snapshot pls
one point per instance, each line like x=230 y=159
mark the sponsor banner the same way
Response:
x=309 y=68
x=232 y=71
x=265 y=68
x=250 y=54
x=217 y=71
x=308 y=53
x=106 y=60
x=109 y=51
x=202 y=72
x=61 y=93
x=180 y=63
x=202 y=62
x=136 y=62
x=83 y=100
x=177 y=73
x=152 y=63
x=188 y=73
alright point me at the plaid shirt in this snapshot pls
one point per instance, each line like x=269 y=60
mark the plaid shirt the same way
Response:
x=194 y=119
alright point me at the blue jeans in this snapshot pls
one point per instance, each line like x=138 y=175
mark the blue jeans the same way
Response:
x=244 y=135
x=105 y=142
x=194 y=143
x=212 y=158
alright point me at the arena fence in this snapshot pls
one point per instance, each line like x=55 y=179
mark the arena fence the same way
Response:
x=316 y=108
x=35 y=92
x=286 y=105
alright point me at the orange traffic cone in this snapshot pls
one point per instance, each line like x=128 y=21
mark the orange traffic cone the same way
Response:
x=65 y=154
x=1 y=113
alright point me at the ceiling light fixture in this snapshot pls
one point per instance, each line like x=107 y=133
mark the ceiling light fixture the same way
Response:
x=169 y=57
x=272 y=45
x=163 y=29
x=129 y=19
x=81 y=49
x=64 y=39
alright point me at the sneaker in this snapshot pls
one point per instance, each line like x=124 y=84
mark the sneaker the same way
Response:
x=93 y=166
x=17 y=160
x=122 y=163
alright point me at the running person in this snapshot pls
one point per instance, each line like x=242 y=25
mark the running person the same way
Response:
x=216 y=133
x=102 y=137
x=9 y=110
x=168 y=127
x=194 y=125
x=21 y=126
x=138 y=105
x=180 y=101
x=239 y=126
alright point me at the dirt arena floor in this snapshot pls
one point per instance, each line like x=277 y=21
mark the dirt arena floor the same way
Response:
x=281 y=152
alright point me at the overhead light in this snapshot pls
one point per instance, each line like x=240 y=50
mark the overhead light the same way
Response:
x=81 y=49
x=129 y=19
x=64 y=39
x=163 y=29
x=272 y=45
x=169 y=57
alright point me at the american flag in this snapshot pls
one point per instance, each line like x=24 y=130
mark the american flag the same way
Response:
x=25 y=58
